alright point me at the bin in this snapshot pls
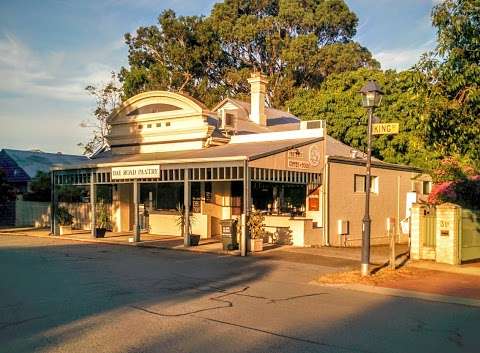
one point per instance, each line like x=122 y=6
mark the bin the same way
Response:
x=229 y=234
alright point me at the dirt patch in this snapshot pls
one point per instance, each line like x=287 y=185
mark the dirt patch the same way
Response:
x=377 y=278
x=414 y=279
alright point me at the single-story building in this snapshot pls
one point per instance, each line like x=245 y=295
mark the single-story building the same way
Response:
x=167 y=150
x=21 y=166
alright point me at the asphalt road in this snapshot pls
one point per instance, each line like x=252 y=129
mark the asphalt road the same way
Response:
x=62 y=296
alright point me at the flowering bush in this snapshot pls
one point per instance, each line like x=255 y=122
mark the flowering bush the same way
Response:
x=442 y=192
x=464 y=192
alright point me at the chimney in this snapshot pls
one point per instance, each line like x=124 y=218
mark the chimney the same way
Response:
x=258 y=87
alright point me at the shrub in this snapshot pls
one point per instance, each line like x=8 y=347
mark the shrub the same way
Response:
x=464 y=192
x=255 y=225
x=63 y=217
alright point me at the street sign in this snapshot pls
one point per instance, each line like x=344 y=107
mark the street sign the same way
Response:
x=385 y=129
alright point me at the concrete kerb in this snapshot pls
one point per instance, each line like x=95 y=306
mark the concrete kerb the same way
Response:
x=106 y=242
x=403 y=293
x=458 y=269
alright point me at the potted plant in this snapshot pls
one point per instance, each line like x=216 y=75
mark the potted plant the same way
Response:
x=256 y=229
x=103 y=221
x=64 y=219
x=194 y=238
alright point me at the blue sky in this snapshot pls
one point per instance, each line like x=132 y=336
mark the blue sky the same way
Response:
x=51 y=49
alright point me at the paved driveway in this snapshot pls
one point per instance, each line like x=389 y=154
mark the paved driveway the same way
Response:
x=62 y=296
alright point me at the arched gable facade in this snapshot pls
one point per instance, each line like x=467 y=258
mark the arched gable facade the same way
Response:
x=159 y=121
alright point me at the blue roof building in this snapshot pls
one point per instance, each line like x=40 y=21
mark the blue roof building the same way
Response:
x=20 y=167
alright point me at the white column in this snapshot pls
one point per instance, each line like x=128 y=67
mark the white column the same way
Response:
x=186 y=207
x=246 y=209
x=136 y=225
x=93 y=196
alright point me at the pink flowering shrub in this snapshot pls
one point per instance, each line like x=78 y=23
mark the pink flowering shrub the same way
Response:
x=442 y=192
x=465 y=192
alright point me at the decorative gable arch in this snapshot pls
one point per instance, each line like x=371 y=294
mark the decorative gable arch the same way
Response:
x=158 y=103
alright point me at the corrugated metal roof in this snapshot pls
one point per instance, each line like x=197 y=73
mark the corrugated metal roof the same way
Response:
x=339 y=149
x=241 y=151
x=31 y=162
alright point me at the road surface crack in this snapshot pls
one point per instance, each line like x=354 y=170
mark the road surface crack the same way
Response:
x=293 y=338
x=4 y=325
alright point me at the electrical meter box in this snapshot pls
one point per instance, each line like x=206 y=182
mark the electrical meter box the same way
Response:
x=342 y=227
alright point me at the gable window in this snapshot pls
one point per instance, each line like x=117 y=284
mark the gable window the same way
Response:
x=360 y=182
x=426 y=187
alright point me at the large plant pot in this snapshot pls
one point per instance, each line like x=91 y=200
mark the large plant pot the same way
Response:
x=100 y=232
x=65 y=230
x=255 y=245
x=194 y=239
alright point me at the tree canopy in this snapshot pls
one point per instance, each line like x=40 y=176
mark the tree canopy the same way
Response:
x=295 y=45
x=449 y=80
x=339 y=103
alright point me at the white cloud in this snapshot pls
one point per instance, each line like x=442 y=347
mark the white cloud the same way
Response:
x=27 y=72
x=402 y=58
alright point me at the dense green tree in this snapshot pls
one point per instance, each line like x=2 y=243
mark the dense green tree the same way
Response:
x=40 y=188
x=449 y=80
x=296 y=44
x=7 y=191
x=339 y=103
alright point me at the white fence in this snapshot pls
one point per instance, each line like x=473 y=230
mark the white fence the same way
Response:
x=37 y=214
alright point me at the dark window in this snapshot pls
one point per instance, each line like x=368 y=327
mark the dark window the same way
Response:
x=167 y=123
x=149 y=126
x=140 y=127
x=229 y=118
x=169 y=196
x=208 y=192
x=360 y=182
x=153 y=108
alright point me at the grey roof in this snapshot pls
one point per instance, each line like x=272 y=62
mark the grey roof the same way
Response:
x=274 y=116
x=31 y=162
x=337 y=148
x=250 y=150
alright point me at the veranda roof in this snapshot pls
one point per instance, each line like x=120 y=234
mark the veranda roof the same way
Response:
x=230 y=152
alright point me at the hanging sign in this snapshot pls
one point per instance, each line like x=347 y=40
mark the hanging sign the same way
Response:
x=136 y=172
x=385 y=129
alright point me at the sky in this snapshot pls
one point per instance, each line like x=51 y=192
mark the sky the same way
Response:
x=50 y=50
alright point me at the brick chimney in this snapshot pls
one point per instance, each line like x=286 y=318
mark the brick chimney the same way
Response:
x=258 y=87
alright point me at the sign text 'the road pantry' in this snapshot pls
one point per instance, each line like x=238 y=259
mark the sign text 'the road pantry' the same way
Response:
x=136 y=172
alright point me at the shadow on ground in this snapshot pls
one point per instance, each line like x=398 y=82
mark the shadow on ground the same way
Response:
x=71 y=297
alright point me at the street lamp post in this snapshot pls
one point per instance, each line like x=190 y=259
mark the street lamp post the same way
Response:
x=372 y=96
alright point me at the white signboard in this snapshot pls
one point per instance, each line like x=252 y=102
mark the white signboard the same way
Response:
x=136 y=172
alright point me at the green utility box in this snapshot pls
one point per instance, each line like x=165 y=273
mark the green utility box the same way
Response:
x=229 y=234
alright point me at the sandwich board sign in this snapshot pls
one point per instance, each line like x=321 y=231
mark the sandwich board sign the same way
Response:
x=385 y=129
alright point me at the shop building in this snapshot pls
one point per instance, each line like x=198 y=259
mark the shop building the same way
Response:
x=168 y=150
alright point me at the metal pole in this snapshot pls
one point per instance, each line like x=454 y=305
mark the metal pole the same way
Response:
x=186 y=207
x=93 y=194
x=52 y=203
x=136 y=225
x=366 y=218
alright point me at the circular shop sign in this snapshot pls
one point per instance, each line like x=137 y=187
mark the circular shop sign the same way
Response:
x=314 y=155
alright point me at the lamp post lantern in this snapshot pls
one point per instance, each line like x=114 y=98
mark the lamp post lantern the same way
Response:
x=371 y=98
